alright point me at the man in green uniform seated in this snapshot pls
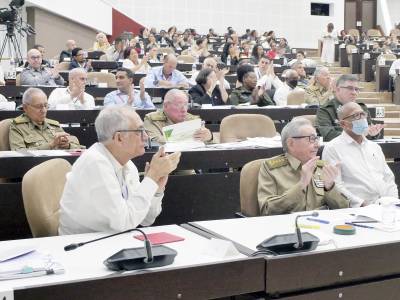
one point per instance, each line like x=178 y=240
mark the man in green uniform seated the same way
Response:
x=174 y=111
x=32 y=130
x=297 y=180
x=327 y=118
x=248 y=92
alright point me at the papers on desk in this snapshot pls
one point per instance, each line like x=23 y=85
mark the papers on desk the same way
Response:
x=179 y=137
x=24 y=262
x=9 y=105
x=49 y=152
x=257 y=142
x=11 y=154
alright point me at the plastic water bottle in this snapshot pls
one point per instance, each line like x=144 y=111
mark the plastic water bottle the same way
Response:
x=382 y=60
x=228 y=61
x=194 y=68
x=13 y=69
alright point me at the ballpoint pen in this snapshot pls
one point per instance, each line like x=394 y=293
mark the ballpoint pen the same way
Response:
x=359 y=225
x=318 y=220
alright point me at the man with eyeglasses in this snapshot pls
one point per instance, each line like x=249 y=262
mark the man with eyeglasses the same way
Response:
x=32 y=130
x=297 y=180
x=327 y=122
x=320 y=90
x=365 y=176
x=103 y=191
x=79 y=60
x=73 y=96
x=175 y=110
x=36 y=74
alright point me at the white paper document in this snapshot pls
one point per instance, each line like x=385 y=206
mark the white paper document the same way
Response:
x=180 y=132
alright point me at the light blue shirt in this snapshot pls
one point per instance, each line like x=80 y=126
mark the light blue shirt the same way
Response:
x=156 y=74
x=120 y=98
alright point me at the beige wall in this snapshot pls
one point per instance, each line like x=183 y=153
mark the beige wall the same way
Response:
x=52 y=31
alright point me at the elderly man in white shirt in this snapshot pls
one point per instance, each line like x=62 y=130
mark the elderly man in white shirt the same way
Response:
x=103 y=191
x=166 y=76
x=290 y=84
x=73 y=96
x=394 y=67
x=365 y=176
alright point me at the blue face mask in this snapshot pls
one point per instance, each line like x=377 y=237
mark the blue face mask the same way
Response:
x=360 y=127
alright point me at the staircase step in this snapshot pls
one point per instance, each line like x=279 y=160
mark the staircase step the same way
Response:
x=391 y=122
x=373 y=100
x=392 y=132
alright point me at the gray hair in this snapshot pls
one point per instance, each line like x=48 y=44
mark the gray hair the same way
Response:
x=293 y=128
x=111 y=119
x=346 y=77
x=319 y=70
x=28 y=95
x=172 y=94
x=75 y=72
x=296 y=64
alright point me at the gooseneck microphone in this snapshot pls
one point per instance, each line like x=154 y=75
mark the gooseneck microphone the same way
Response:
x=300 y=244
x=147 y=243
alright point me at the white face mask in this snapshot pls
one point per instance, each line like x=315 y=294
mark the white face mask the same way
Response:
x=360 y=127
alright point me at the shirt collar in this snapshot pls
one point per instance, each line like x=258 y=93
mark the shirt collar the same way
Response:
x=294 y=162
x=116 y=165
x=348 y=139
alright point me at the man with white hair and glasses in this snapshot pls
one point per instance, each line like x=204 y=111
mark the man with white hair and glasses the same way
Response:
x=297 y=180
x=327 y=122
x=103 y=191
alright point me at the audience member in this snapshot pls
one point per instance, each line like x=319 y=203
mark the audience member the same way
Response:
x=211 y=63
x=297 y=180
x=303 y=80
x=230 y=54
x=116 y=51
x=132 y=62
x=365 y=176
x=36 y=74
x=126 y=93
x=66 y=55
x=73 y=96
x=101 y=43
x=321 y=88
x=328 y=45
x=174 y=111
x=79 y=60
x=256 y=54
x=290 y=84
x=32 y=130
x=103 y=191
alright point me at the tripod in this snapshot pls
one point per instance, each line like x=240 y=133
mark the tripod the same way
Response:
x=10 y=40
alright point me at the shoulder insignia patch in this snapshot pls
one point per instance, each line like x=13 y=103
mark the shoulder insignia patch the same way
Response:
x=157 y=116
x=21 y=120
x=277 y=162
x=321 y=163
x=53 y=122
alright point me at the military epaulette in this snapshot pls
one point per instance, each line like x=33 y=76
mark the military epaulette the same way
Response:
x=157 y=116
x=52 y=122
x=321 y=163
x=277 y=162
x=21 y=119
x=191 y=117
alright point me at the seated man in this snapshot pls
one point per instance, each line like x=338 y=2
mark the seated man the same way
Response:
x=73 y=96
x=290 y=84
x=321 y=88
x=365 y=176
x=248 y=92
x=211 y=63
x=103 y=191
x=166 y=76
x=297 y=180
x=66 y=55
x=116 y=51
x=346 y=90
x=32 y=130
x=303 y=80
x=126 y=93
x=394 y=68
x=36 y=74
x=79 y=60
x=174 y=111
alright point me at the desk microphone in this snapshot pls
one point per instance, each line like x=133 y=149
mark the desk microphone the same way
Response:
x=300 y=244
x=134 y=258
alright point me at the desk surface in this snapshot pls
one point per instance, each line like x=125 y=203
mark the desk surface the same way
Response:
x=86 y=276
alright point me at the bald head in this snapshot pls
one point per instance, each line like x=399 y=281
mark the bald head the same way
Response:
x=170 y=63
x=34 y=58
x=71 y=44
x=348 y=109
x=175 y=105
x=210 y=63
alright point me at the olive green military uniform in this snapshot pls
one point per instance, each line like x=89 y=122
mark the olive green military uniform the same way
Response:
x=327 y=122
x=317 y=94
x=280 y=191
x=155 y=121
x=243 y=95
x=26 y=134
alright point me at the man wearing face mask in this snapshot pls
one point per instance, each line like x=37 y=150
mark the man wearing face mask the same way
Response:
x=365 y=176
x=289 y=85
x=346 y=91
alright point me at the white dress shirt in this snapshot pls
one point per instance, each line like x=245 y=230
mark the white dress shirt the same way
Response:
x=268 y=81
x=281 y=94
x=63 y=96
x=365 y=175
x=127 y=63
x=102 y=195
x=395 y=65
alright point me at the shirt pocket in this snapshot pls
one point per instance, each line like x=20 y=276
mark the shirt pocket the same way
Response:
x=33 y=141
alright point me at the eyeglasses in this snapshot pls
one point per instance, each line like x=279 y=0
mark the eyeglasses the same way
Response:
x=312 y=139
x=39 y=106
x=351 y=88
x=36 y=57
x=142 y=131
x=357 y=116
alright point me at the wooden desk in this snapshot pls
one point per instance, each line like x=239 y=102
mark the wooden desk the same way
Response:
x=382 y=78
x=355 y=63
x=396 y=96
x=367 y=74
x=343 y=57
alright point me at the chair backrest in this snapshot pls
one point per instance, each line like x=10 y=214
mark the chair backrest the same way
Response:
x=63 y=66
x=186 y=59
x=296 y=97
x=349 y=48
x=185 y=52
x=18 y=79
x=108 y=78
x=248 y=188
x=42 y=188
x=373 y=32
x=4 y=134
x=311 y=118
x=166 y=50
x=354 y=32
x=238 y=127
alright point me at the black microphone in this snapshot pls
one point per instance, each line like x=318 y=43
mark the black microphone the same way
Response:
x=300 y=243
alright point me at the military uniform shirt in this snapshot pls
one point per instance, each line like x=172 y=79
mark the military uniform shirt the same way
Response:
x=317 y=94
x=243 y=95
x=280 y=191
x=26 y=134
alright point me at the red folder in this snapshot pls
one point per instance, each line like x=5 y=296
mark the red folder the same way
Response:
x=160 y=238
